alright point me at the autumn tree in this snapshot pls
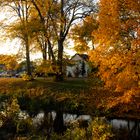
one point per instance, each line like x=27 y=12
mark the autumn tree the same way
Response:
x=65 y=14
x=44 y=36
x=81 y=34
x=21 y=10
x=118 y=40
x=56 y=18
x=10 y=61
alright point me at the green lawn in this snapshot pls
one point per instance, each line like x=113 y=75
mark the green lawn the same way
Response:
x=7 y=84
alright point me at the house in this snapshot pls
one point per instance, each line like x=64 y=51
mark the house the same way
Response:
x=78 y=66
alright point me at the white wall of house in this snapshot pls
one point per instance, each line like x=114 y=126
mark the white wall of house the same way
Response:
x=76 y=70
x=71 y=71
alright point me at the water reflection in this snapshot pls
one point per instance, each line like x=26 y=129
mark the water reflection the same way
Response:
x=131 y=128
x=66 y=117
x=121 y=127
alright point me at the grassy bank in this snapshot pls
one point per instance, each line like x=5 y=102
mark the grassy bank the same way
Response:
x=75 y=95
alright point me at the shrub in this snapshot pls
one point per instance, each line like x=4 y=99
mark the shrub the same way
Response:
x=26 y=77
x=101 y=130
x=98 y=129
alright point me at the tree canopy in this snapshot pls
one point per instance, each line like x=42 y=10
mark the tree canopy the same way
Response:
x=81 y=33
x=47 y=22
x=118 y=41
x=10 y=61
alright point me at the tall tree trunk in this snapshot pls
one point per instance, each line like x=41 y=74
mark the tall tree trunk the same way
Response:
x=60 y=55
x=28 y=63
x=59 y=76
x=44 y=52
x=59 y=123
x=50 y=51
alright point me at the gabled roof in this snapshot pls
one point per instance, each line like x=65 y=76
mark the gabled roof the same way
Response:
x=83 y=56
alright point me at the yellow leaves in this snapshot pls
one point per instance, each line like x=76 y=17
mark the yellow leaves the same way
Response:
x=82 y=33
x=120 y=70
x=81 y=47
x=12 y=109
x=47 y=67
x=139 y=84
x=117 y=18
x=10 y=61
x=119 y=67
x=133 y=4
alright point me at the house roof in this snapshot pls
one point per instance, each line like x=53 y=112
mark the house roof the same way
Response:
x=83 y=56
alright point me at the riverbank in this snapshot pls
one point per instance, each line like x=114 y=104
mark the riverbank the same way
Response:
x=82 y=96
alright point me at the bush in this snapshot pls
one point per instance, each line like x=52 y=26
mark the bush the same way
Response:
x=26 y=77
x=98 y=129
x=101 y=130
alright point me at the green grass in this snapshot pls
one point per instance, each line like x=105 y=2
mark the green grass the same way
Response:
x=70 y=84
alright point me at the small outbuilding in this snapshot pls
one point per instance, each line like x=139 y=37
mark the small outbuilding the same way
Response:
x=79 y=66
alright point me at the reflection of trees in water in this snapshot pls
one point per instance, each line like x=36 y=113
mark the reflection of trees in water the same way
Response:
x=126 y=129
x=135 y=130
x=48 y=121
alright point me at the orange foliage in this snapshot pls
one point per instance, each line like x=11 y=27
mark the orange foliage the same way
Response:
x=117 y=20
x=10 y=61
x=118 y=45
x=119 y=70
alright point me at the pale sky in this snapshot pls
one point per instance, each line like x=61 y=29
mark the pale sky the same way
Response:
x=9 y=47
x=12 y=46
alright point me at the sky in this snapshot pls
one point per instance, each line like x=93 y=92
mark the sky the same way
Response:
x=9 y=47
x=12 y=46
